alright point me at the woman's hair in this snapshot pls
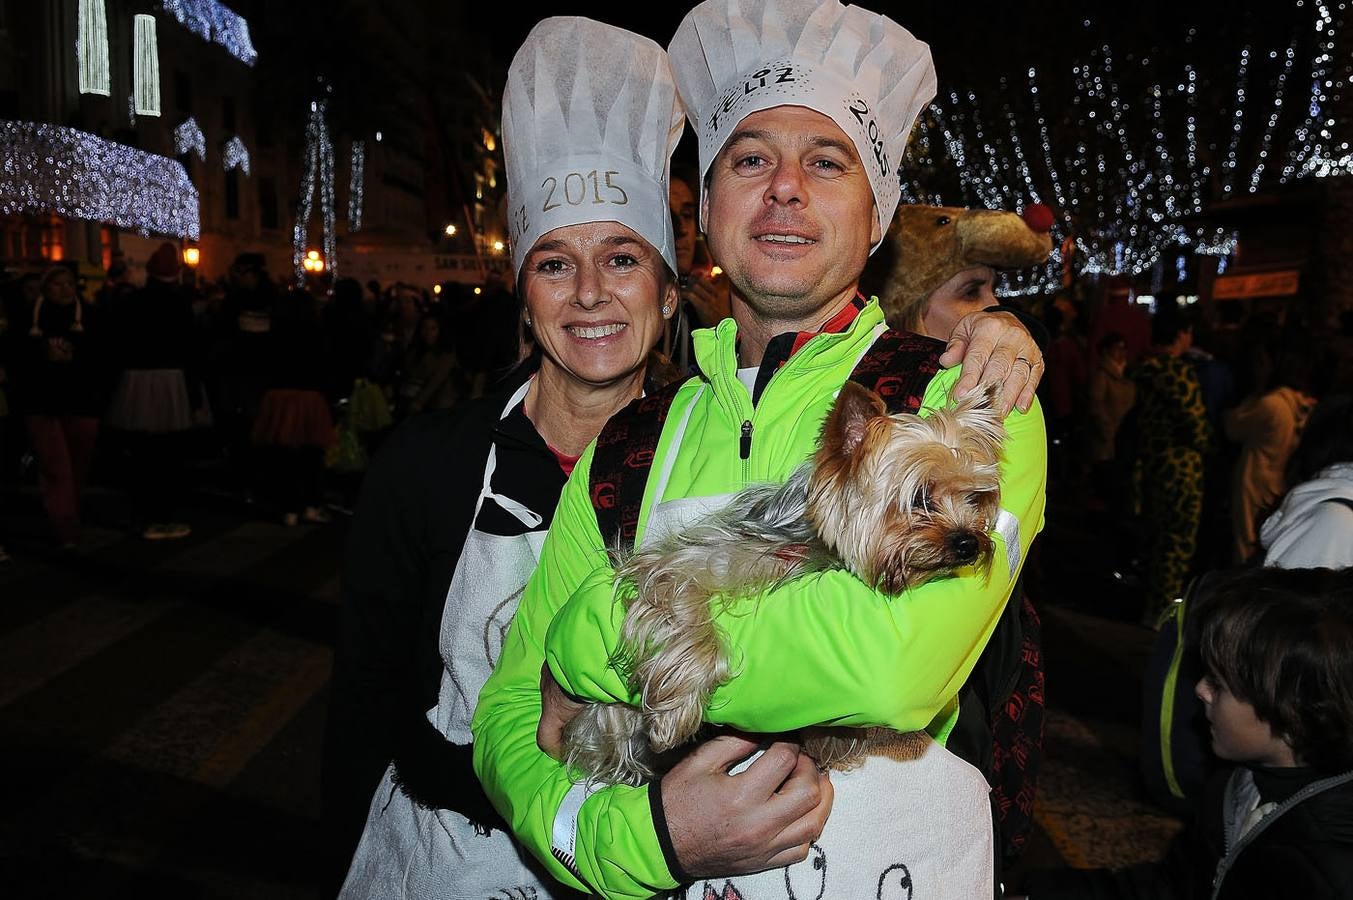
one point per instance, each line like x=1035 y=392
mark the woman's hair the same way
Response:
x=1279 y=639
x=1326 y=440
x=438 y=346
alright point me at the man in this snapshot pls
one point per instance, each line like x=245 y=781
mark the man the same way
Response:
x=794 y=200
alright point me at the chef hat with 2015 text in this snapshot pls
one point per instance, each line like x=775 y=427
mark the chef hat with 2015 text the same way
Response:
x=732 y=58
x=590 y=119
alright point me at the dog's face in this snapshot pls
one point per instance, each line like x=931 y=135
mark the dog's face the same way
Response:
x=901 y=499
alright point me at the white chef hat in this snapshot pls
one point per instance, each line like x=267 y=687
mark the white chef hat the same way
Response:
x=732 y=58
x=590 y=120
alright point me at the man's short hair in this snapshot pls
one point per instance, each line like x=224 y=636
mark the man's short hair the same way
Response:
x=1280 y=639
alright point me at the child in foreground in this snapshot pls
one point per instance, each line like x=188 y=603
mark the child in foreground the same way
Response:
x=1277 y=647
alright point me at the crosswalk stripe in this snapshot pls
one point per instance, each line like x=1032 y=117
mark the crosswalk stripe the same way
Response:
x=266 y=719
x=35 y=653
x=41 y=650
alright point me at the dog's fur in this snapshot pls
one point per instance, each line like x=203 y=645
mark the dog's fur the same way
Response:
x=896 y=500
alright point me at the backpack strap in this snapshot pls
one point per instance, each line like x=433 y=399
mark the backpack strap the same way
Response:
x=897 y=367
x=622 y=460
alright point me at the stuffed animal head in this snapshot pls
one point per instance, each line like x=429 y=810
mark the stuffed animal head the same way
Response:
x=931 y=244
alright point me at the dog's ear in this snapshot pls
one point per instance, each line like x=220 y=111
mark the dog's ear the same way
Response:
x=844 y=428
x=976 y=415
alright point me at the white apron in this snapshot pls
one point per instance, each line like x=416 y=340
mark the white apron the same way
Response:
x=903 y=826
x=410 y=852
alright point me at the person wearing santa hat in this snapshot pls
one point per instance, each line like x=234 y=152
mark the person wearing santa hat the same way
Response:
x=802 y=110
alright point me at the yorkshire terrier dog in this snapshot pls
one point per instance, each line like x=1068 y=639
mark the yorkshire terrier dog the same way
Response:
x=895 y=499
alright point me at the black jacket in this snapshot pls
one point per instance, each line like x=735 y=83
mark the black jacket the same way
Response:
x=1303 y=850
x=151 y=328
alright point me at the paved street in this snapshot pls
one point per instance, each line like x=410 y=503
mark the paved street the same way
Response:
x=162 y=705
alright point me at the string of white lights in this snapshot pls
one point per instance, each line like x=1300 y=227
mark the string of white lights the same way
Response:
x=356 y=186
x=1197 y=171
x=1046 y=141
x=215 y=22
x=1266 y=143
x=188 y=137
x=235 y=155
x=319 y=173
x=52 y=168
x=1320 y=163
x=1127 y=193
x=1228 y=166
x=993 y=177
x=1021 y=163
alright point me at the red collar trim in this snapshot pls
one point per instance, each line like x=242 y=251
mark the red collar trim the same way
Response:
x=835 y=325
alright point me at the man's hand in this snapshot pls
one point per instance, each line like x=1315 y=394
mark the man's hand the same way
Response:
x=557 y=709
x=995 y=347
x=708 y=298
x=762 y=818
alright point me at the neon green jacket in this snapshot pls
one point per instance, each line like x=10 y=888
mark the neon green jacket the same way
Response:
x=806 y=653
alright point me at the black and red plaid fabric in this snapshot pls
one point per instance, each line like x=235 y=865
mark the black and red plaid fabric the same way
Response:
x=621 y=463
x=1017 y=739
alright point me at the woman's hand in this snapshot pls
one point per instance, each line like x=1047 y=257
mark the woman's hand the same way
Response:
x=993 y=346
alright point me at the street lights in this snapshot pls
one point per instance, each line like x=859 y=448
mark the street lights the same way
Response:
x=313 y=263
x=450 y=230
x=191 y=257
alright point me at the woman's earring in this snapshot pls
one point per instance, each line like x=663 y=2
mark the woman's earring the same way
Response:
x=666 y=310
x=528 y=321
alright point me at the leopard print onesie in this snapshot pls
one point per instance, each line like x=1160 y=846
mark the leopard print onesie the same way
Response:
x=1174 y=436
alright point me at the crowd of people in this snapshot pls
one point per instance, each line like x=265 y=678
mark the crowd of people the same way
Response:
x=279 y=393
x=1185 y=435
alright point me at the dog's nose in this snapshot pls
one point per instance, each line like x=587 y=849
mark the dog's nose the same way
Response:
x=964 y=547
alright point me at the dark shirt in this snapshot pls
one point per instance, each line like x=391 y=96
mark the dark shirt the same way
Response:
x=59 y=371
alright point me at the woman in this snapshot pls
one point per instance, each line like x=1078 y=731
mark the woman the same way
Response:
x=153 y=341
x=431 y=377
x=1267 y=425
x=1112 y=395
x=294 y=427
x=1314 y=525
x=456 y=507
x=59 y=386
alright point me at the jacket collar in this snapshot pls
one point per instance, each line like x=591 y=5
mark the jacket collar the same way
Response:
x=716 y=348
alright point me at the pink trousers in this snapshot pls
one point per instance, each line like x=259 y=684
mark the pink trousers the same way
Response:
x=64 y=446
